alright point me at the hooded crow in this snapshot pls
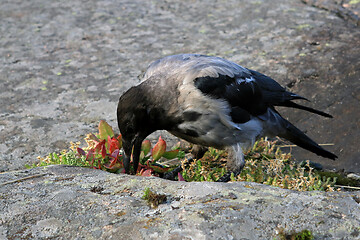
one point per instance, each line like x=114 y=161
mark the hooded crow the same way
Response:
x=208 y=101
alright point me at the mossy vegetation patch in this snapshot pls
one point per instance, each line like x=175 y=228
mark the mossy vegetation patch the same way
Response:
x=265 y=163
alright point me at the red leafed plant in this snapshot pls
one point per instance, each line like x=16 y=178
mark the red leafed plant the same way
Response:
x=105 y=152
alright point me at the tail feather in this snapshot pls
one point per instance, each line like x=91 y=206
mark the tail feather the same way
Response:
x=309 y=109
x=296 y=136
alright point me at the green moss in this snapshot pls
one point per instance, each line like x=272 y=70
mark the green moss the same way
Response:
x=303 y=235
x=209 y=168
x=264 y=163
x=340 y=178
x=63 y=158
x=153 y=199
x=354 y=2
x=302 y=26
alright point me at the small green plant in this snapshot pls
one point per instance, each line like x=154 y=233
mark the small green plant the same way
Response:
x=303 y=235
x=265 y=163
x=209 y=168
x=66 y=157
x=153 y=199
x=104 y=151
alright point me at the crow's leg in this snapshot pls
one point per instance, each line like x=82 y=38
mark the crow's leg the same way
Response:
x=235 y=163
x=174 y=173
x=198 y=151
x=227 y=176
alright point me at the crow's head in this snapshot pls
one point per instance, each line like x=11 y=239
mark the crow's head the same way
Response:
x=133 y=123
x=137 y=118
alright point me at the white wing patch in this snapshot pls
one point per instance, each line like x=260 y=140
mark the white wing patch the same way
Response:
x=249 y=81
x=246 y=80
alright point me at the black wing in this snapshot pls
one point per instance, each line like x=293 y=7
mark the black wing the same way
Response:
x=249 y=94
x=244 y=96
x=276 y=95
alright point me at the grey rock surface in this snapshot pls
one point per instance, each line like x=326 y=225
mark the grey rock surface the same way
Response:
x=64 y=64
x=61 y=202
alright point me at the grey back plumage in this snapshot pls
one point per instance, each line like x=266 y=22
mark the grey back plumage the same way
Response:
x=191 y=66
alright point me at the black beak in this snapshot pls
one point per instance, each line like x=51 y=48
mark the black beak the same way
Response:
x=136 y=149
x=126 y=162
